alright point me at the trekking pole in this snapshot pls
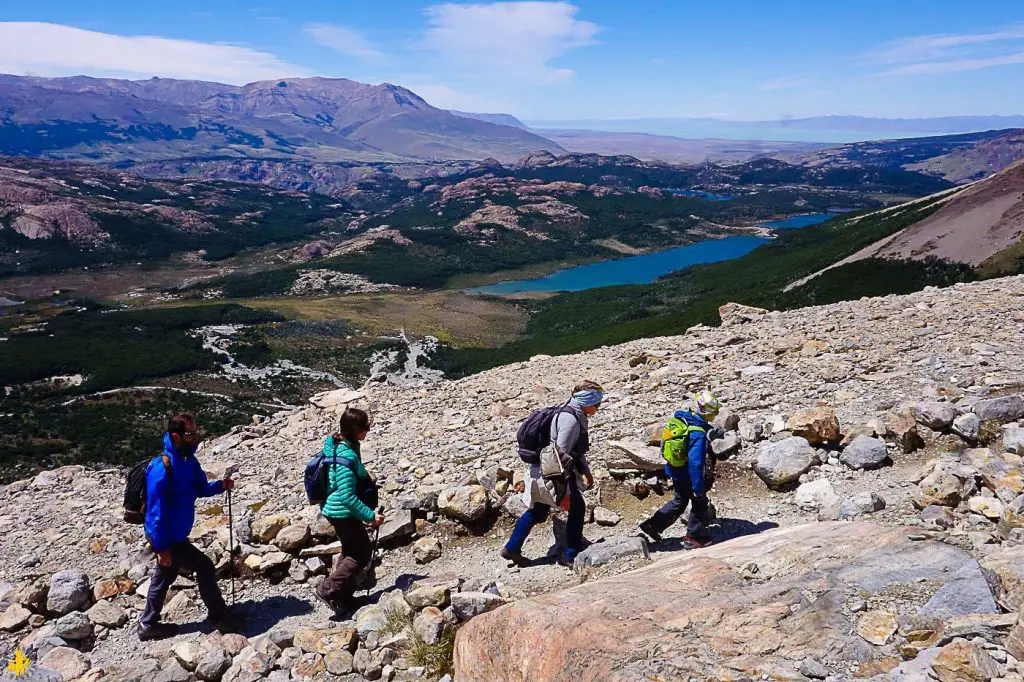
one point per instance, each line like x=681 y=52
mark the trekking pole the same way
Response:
x=373 y=559
x=231 y=549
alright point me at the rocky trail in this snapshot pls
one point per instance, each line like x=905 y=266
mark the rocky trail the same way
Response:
x=869 y=500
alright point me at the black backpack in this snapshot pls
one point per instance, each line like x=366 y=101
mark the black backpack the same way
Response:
x=135 y=491
x=535 y=432
x=316 y=480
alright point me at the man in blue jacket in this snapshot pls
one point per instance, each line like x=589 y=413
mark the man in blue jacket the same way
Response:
x=171 y=493
x=685 y=466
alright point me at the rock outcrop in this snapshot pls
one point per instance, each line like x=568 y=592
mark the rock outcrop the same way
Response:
x=707 y=619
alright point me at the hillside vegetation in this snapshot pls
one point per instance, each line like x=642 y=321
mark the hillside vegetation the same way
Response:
x=578 y=321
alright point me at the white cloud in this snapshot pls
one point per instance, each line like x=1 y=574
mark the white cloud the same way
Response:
x=43 y=49
x=956 y=65
x=784 y=83
x=444 y=97
x=514 y=40
x=940 y=46
x=344 y=40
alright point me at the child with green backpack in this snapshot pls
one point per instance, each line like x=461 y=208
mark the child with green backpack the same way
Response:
x=685 y=448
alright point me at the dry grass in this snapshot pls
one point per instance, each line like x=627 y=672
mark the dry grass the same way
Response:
x=451 y=316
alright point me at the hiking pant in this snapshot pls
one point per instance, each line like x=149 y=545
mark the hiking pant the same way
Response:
x=538 y=513
x=700 y=515
x=340 y=585
x=184 y=555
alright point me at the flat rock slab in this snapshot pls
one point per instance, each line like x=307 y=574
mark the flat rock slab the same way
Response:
x=602 y=553
x=707 y=621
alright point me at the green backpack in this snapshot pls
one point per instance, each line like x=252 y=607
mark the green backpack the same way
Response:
x=675 y=441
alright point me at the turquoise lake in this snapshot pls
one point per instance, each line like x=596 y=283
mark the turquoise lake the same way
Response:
x=648 y=267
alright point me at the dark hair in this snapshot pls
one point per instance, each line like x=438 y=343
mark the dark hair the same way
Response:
x=353 y=421
x=588 y=386
x=180 y=422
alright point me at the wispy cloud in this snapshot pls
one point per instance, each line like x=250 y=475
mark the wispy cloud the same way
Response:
x=956 y=65
x=949 y=53
x=43 y=49
x=515 y=40
x=344 y=40
x=784 y=83
x=939 y=46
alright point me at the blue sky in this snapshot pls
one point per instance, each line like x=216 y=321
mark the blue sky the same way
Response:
x=738 y=59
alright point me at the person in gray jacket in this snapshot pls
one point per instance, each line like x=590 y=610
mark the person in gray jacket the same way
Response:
x=555 y=481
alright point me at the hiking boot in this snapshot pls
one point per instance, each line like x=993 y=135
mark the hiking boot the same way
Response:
x=691 y=542
x=224 y=623
x=515 y=557
x=334 y=606
x=156 y=631
x=653 y=535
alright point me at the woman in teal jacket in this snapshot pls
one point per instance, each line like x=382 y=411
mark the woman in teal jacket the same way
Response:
x=347 y=513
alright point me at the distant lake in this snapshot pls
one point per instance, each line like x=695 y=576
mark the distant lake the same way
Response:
x=647 y=267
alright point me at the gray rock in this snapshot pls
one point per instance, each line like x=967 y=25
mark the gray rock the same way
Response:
x=426 y=550
x=399 y=527
x=467 y=605
x=464 y=503
x=725 y=446
x=1013 y=440
x=812 y=669
x=294 y=537
x=967 y=426
x=613 y=548
x=861 y=504
x=429 y=625
x=934 y=415
x=1001 y=410
x=423 y=498
x=864 y=452
x=108 y=615
x=644 y=457
x=751 y=431
x=783 y=462
x=606 y=517
x=74 y=626
x=68 y=662
x=938 y=516
x=966 y=591
x=69 y=591
x=172 y=671
x=815 y=495
x=212 y=665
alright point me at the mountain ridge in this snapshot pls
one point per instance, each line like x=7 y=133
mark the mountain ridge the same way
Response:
x=307 y=118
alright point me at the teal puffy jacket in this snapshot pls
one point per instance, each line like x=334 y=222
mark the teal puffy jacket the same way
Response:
x=342 y=500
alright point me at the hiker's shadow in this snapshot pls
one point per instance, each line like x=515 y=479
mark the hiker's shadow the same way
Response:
x=253 y=618
x=722 y=530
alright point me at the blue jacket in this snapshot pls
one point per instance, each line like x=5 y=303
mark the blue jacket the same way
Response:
x=171 y=498
x=697 y=450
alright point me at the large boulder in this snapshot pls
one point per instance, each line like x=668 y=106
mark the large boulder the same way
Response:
x=266 y=528
x=611 y=549
x=708 y=621
x=465 y=502
x=901 y=427
x=293 y=537
x=69 y=662
x=815 y=495
x=782 y=463
x=934 y=415
x=69 y=591
x=1000 y=410
x=818 y=425
x=643 y=457
x=864 y=453
x=737 y=313
x=1013 y=439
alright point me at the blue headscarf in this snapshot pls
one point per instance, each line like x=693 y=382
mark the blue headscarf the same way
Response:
x=588 y=398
